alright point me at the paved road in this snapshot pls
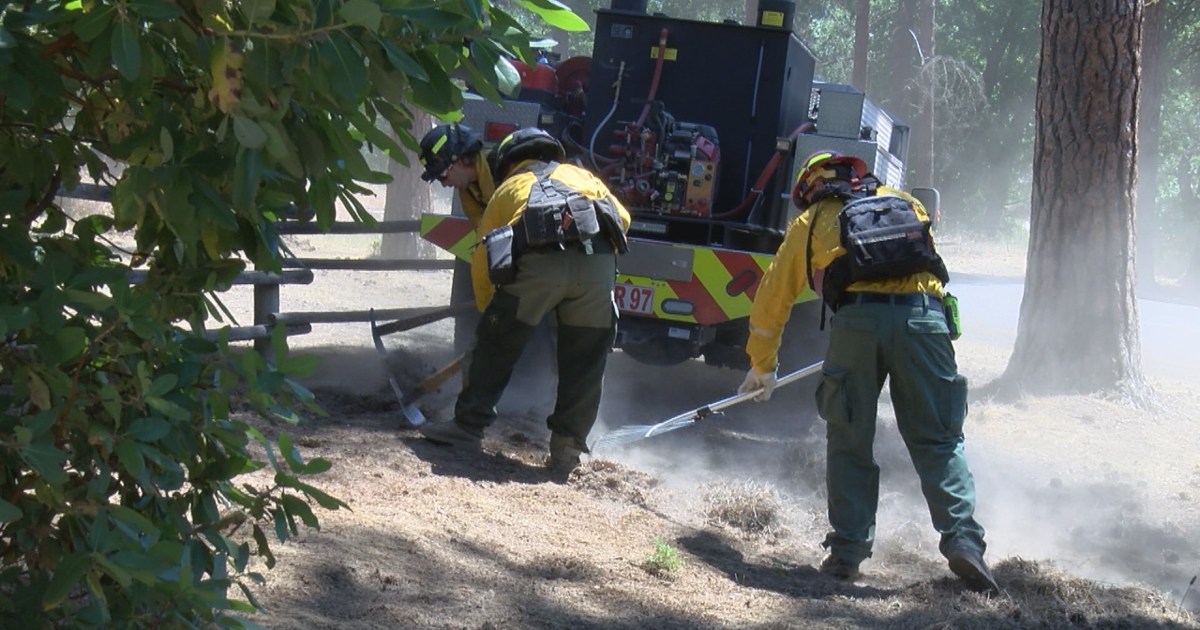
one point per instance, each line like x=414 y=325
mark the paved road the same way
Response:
x=1170 y=332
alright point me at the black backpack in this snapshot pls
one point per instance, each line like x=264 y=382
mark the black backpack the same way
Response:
x=883 y=238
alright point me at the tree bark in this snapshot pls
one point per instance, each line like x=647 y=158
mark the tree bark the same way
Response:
x=1078 y=329
x=923 y=129
x=862 y=43
x=1154 y=43
x=903 y=60
x=408 y=196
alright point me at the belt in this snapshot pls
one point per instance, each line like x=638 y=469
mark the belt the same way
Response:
x=600 y=245
x=902 y=299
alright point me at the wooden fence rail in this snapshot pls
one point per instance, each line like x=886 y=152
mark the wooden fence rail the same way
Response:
x=300 y=271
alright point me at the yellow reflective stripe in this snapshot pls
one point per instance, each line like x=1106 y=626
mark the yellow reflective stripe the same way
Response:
x=715 y=277
x=824 y=155
x=441 y=142
x=504 y=142
x=462 y=249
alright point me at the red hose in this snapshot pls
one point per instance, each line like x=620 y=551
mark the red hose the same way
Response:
x=658 y=67
x=767 y=173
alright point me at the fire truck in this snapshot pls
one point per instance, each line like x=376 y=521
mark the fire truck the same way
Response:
x=697 y=127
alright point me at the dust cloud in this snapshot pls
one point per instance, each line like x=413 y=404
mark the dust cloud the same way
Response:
x=1100 y=489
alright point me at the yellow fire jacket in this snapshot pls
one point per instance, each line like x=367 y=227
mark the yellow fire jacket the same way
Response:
x=786 y=278
x=475 y=197
x=508 y=204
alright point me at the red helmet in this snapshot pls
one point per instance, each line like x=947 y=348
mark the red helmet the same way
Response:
x=827 y=171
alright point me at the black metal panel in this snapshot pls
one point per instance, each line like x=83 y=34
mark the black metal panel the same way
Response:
x=752 y=84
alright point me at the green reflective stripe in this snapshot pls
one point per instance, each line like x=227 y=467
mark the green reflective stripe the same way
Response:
x=441 y=142
x=504 y=142
x=825 y=155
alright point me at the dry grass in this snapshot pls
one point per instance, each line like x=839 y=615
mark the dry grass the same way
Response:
x=749 y=506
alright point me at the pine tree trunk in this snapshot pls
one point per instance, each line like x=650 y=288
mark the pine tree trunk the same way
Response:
x=1154 y=43
x=408 y=196
x=903 y=60
x=923 y=130
x=862 y=43
x=1078 y=329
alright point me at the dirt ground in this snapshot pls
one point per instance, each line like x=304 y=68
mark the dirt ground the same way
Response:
x=1091 y=506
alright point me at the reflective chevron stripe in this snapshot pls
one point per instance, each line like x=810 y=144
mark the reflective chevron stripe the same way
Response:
x=451 y=233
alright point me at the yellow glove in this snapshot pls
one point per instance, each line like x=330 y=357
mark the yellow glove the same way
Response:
x=758 y=380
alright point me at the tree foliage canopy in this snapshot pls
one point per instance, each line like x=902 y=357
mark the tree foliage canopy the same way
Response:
x=120 y=503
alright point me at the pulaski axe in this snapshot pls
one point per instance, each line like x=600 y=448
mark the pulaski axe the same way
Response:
x=408 y=401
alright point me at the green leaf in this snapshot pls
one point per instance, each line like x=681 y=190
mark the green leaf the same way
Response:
x=39 y=392
x=362 y=13
x=291 y=455
x=125 y=51
x=12 y=201
x=481 y=83
x=322 y=499
x=247 y=177
x=93 y=23
x=47 y=460
x=131 y=458
x=129 y=197
x=168 y=408
x=388 y=82
x=345 y=68
x=264 y=549
x=148 y=429
x=90 y=299
x=67 y=574
x=507 y=76
x=9 y=512
x=115 y=572
x=163 y=385
x=403 y=62
x=156 y=10
x=295 y=507
x=556 y=14
x=72 y=341
x=167 y=144
x=248 y=133
x=139 y=525
x=258 y=10
x=373 y=134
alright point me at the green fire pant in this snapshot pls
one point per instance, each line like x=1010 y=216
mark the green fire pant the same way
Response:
x=868 y=343
x=579 y=289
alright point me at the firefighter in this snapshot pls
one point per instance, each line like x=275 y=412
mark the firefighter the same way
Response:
x=552 y=235
x=453 y=156
x=891 y=326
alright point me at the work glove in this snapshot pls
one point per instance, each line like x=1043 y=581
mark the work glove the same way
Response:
x=758 y=380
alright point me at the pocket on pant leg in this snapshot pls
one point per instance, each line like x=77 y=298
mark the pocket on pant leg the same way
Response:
x=833 y=397
x=953 y=403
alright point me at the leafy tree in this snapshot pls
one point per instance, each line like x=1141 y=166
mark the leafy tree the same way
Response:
x=121 y=502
